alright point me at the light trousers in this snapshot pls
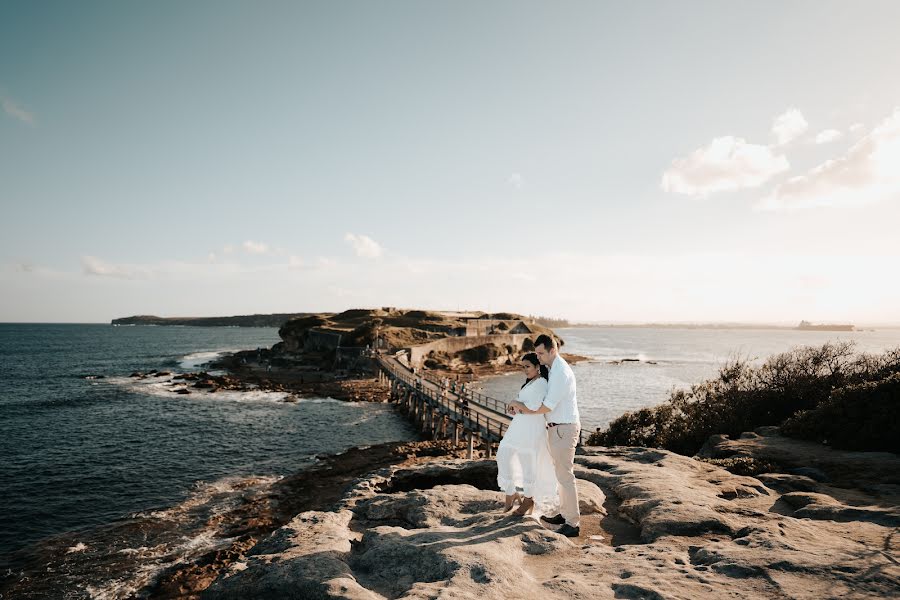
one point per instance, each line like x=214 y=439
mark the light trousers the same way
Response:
x=563 y=439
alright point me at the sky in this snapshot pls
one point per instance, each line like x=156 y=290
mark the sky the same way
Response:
x=596 y=161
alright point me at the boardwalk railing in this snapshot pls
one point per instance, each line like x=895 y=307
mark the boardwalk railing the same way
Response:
x=441 y=412
x=473 y=395
x=435 y=408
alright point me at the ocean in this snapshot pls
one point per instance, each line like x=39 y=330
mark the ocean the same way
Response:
x=683 y=357
x=78 y=454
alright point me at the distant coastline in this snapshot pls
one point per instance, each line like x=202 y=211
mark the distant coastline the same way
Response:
x=271 y=320
x=279 y=319
x=804 y=326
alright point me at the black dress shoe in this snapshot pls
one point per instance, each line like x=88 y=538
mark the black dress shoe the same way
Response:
x=569 y=531
x=557 y=520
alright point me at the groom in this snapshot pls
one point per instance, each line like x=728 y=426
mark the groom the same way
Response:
x=560 y=408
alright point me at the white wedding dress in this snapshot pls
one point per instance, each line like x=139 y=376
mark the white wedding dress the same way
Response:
x=523 y=457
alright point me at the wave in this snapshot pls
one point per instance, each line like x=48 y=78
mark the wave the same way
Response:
x=643 y=357
x=184 y=531
x=168 y=387
x=198 y=359
x=222 y=491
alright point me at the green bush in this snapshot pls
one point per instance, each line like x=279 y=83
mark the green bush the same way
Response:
x=744 y=397
x=744 y=465
x=865 y=416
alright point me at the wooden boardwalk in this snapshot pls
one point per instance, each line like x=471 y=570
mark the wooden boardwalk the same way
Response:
x=442 y=413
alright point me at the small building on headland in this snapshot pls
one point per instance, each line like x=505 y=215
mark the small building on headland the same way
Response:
x=479 y=327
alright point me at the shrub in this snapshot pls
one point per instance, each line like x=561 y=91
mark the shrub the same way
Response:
x=865 y=416
x=744 y=397
x=744 y=465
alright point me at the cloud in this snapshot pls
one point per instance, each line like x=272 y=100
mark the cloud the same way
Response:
x=364 y=246
x=868 y=172
x=727 y=163
x=828 y=135
x=516 y=180
x=856 y=127
x=324 y=262
x=788 y=126
x=708 y=286
x=92 y=265
x=251 y=247
x=295 y=262
x=15 y=111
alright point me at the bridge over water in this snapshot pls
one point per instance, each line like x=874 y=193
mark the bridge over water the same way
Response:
x=444 y=413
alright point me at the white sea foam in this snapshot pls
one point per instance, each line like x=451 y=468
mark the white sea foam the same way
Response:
x=167 y=387
x=220 y=495
x=204 y=492
x=79 y=547
x=197 y=359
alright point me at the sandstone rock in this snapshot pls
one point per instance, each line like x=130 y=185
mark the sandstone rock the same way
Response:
x=590 y=498
x=786 y=482
x=302 y=560
x=437 y=531
x=822 y=506
x=656 y=494
x=816 y=461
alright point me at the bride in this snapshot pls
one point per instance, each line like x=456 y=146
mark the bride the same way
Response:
x=523 y=457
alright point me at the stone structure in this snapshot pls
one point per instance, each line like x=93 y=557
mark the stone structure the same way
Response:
x=479 y=327
x=452 y=345
x=319 y=339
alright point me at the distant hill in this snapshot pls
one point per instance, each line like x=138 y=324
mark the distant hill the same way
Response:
x=274 y=320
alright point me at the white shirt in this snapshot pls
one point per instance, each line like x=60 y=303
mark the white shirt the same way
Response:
x=533 y=393
x=561 y=398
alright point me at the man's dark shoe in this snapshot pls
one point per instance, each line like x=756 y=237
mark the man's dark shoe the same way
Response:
x=557 y=520
x=569 y=531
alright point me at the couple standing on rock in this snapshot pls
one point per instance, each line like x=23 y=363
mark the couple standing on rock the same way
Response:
x=535 y=459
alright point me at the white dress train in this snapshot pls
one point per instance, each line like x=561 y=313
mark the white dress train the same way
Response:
x=523 y=457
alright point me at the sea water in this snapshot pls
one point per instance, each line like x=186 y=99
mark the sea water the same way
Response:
x=87 y=449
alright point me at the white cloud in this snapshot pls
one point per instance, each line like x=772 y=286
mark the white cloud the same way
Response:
x=251 y=247
x=516 y=180
x=744 y=286
x=364 y=246
x=856 y=127
x=788 y=126
x=868 y=172
x=727 y=163
x=295 y=262
x=15 y=111
x=325 y=263
x=92 y=265
x=828 y=135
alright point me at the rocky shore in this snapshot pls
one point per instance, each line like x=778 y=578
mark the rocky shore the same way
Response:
x=656 y=525
x=254 y=377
